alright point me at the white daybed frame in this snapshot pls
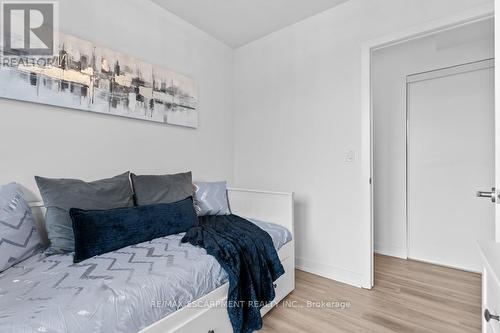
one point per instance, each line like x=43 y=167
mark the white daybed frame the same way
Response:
x=209 y=313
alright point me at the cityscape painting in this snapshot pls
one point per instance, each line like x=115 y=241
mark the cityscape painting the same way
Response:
x=92 y=78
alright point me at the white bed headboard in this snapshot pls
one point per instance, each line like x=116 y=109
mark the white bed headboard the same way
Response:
x=39 y=215
x=275 y=207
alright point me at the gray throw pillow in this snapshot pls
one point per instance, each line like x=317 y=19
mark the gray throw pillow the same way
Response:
x=19 y=238
x=156 y=189
x=210 y=198
x=60 y=195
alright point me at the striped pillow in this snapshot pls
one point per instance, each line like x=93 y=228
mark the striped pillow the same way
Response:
x=19 y=238
x=210 y=198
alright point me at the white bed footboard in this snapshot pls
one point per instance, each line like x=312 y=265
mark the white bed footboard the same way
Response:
x=275 y=207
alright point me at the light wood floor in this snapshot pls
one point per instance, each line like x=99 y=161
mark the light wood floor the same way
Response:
x=408 y=296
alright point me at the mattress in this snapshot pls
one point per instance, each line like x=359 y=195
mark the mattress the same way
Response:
x=121 y=291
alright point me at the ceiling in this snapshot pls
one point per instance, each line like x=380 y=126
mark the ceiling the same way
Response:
x=238 y=22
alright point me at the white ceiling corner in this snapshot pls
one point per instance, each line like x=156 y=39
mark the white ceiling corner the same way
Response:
x=239 y=22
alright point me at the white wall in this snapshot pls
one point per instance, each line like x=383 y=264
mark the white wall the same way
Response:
x=390 y=66
x=297 y=114
x=56 y=142
x=297 y=100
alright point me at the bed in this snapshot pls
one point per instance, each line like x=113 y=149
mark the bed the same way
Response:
x=158 y=286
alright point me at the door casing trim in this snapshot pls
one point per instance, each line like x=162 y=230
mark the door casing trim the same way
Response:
x=463 y=18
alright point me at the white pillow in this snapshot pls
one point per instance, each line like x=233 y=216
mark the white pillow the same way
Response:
x=19 y=238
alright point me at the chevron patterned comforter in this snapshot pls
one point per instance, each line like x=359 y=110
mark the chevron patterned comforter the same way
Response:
x=120 y=291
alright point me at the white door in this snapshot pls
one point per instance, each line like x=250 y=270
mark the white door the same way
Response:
x=451 y=156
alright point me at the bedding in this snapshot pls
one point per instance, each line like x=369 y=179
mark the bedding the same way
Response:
x=154 y=189
x=121 y=291
x=18 y=235
x=210 y=198
x=247 y=254
x=101 y=231
x=60 y=195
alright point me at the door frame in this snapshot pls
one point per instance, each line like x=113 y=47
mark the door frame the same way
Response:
x=446 y=23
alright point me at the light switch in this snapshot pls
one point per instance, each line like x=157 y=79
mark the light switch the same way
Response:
x=349 y=156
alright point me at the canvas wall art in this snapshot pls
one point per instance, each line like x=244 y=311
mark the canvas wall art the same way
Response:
x=92 y=78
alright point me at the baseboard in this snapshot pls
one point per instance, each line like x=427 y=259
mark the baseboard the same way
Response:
x=392 y=251
x=432 y=262
x=329 y=272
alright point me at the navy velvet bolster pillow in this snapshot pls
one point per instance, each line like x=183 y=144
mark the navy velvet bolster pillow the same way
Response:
x=100 y=231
